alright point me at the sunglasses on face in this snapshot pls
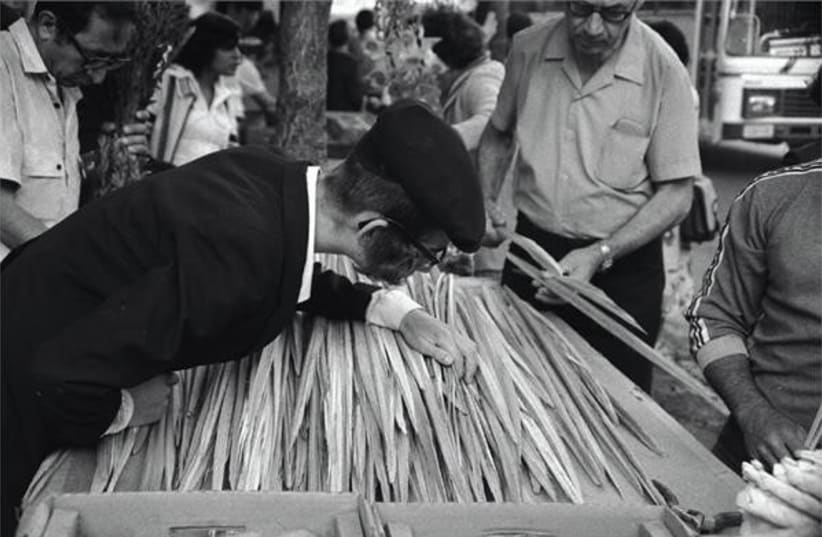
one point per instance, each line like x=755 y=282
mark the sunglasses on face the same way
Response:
x=612 y=14
x=433 y=258
x=95 y=63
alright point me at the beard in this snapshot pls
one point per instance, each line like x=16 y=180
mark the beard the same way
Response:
x=388 y=258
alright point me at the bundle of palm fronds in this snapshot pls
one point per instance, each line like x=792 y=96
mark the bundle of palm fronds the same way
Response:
x=341 y=406
x=160 y=26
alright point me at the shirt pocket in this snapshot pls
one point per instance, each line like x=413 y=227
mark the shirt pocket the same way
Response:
x=43 y=189
x=622 y=160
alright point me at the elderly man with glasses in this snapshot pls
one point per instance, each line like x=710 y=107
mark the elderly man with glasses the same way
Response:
x=43 y=62
x=603 y=113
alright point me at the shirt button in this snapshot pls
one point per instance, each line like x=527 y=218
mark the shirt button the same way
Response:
x=59 y=166
x=57 y=105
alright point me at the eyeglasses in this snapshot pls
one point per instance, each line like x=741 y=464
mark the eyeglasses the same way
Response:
x=95 y=63
x=433 y=258
x=612 y=14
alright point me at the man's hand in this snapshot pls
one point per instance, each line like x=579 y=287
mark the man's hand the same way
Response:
x=134 y=135
x=433 y=338
x=544 y=295
x=769 y=434
x=151 y=398
x=495 y=230
x=581 y=263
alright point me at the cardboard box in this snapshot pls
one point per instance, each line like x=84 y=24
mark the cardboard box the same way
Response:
x=201 y=514
x=532 y=520
x=269 y=514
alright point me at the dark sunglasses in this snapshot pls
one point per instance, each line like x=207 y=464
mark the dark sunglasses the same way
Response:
x=433 y=258
x=612 y=14
x=94 y=63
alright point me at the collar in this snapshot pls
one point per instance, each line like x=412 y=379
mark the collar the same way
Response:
x=187 y=85
x=312 y=174
x=29 y=55
x=223 y=91
x=629 y=58
x=631 y=61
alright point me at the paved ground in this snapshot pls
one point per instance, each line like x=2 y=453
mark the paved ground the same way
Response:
x=731 y=166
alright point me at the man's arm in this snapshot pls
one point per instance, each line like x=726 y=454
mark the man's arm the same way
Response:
x=493 y=158
x=769 y=434
x=16 y=224
x=336 y=297
x=669 y=205
x=722 y=316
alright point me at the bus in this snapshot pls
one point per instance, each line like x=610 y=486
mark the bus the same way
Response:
x=756 y=60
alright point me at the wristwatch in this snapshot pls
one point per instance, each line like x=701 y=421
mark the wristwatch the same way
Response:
x=606 y=256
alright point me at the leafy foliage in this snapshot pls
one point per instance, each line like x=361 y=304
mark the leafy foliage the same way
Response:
x=160 y=27
x=402 y=66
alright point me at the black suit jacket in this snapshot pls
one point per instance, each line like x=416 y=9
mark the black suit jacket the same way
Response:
x=196 y=265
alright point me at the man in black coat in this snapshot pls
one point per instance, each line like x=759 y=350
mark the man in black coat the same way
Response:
x=210 y=261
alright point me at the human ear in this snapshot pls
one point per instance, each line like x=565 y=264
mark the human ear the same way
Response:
x=366 y=225
x=47 y=26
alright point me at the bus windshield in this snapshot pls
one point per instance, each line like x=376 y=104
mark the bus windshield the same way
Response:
x=775 y=28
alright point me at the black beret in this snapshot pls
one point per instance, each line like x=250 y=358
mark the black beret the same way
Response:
x=414 y=148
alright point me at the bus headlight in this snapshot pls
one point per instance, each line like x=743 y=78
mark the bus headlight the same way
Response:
x=760 y=104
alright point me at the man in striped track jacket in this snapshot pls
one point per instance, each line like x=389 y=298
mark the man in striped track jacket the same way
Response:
x=756 y=325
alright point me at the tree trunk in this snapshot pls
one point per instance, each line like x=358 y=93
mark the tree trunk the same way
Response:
x=300 y=129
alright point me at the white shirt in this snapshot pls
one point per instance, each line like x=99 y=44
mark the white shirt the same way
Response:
x=39 y=145
x=208 y=128
x=387 y=307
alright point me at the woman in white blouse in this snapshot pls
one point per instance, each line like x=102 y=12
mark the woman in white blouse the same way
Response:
x=196 y=110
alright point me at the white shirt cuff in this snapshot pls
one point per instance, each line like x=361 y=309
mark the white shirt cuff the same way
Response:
x=124 y=414
x=388 y=307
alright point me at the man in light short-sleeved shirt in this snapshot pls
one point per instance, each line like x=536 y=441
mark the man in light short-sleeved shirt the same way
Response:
x=43 y=61
x=603 y=113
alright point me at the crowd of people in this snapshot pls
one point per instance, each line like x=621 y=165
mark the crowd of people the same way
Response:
x=583 y=139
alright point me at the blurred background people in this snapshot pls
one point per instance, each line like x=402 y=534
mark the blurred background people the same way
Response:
x=248 y=77
x=364 y=45
x=472 y=81
x=469 y=89
x=197 y=110
x=345 y=88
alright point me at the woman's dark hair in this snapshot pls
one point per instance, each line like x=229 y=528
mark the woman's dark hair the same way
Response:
x=212 y=32
x=674 y=37
x=74 y=16
x=462 y=39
